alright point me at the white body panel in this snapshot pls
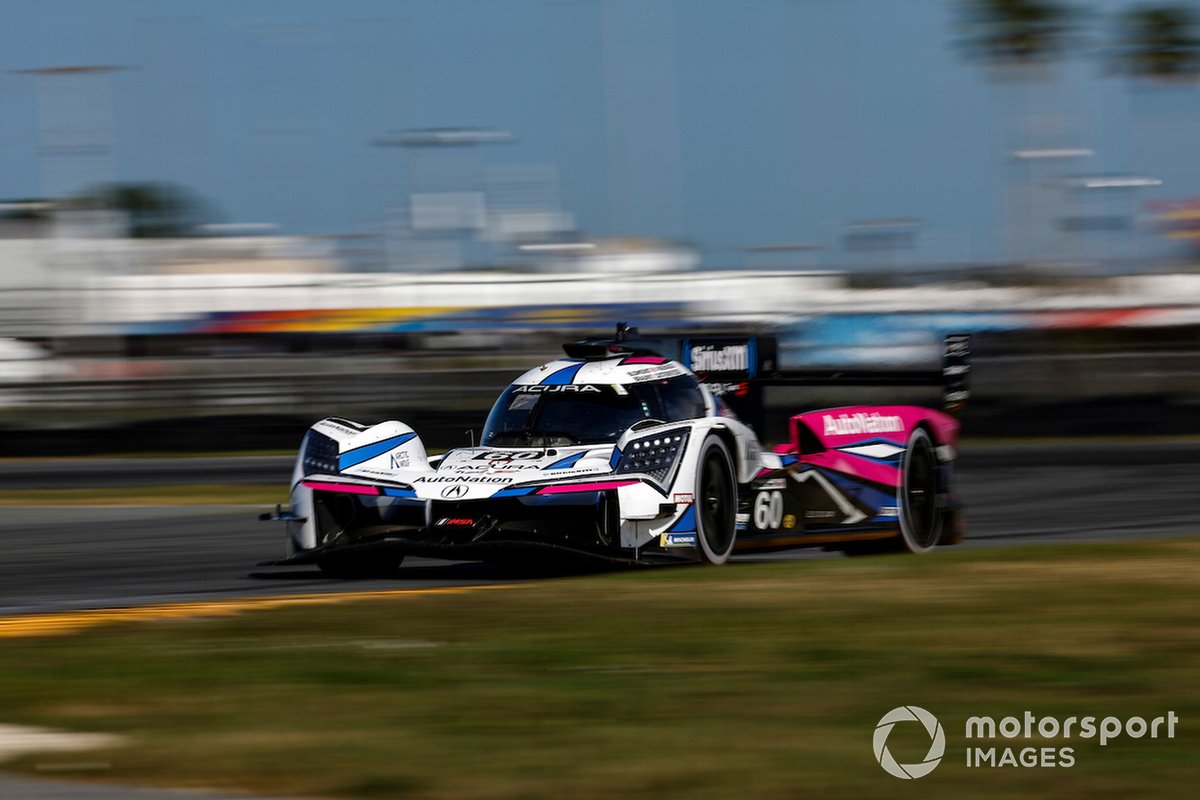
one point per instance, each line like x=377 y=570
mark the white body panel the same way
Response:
x=391 y=457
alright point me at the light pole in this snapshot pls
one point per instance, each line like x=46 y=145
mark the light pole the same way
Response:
x=75 y=149
x=445 y=206
x=75 y=126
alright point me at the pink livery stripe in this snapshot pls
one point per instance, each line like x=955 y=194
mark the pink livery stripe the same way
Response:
x=345 y=488
x=600 y=486
x=864 y=468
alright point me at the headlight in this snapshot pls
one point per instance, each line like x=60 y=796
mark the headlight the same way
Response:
x=653 y=455
x=320 y=454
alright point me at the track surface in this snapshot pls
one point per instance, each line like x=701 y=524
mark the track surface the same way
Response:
x=86 y=557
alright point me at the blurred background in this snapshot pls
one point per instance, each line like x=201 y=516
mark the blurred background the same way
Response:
x=221 y=221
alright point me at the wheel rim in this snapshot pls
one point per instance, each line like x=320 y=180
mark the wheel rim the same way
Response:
x=920 y=495
x=716 y=511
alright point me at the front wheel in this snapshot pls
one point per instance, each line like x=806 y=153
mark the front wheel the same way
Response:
x=716 y=502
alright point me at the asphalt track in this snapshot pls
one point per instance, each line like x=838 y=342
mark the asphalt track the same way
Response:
x=99 y=557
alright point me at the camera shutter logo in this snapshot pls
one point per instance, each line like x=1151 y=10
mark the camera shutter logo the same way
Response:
x=937 y=747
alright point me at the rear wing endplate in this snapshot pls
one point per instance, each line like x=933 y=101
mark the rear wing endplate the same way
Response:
x=737 y=368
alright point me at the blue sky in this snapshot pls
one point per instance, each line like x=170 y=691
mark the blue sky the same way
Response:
x=726 y=124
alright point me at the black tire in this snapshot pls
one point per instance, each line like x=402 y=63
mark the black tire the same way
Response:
x=716 y=502
x=921 y=519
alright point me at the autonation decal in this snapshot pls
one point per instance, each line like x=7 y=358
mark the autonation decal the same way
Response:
x=1026 y=741
x=860 y=423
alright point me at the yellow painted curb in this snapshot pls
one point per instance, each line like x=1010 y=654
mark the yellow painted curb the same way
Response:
x=66 y=622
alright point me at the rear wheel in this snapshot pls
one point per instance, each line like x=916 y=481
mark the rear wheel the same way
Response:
x=921 y=519
x=716 y=502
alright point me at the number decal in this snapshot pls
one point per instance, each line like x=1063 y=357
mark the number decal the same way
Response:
x=768 y=510
x=494 y=456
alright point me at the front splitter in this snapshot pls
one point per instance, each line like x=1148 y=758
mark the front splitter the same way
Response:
x=504 y=551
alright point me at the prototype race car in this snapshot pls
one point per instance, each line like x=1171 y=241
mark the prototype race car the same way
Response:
x=618 y=452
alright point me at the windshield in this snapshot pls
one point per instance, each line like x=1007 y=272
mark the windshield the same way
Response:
x=531 y=416
x=545 y=416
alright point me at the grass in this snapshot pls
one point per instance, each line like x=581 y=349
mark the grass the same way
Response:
x=750 y=681
x=181 y=494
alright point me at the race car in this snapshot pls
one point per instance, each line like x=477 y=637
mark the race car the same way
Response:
x=620 y=452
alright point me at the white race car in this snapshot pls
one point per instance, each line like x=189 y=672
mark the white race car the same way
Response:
x=617 y=452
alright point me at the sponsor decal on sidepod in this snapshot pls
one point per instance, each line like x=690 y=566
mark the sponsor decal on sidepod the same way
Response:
x=859 y=423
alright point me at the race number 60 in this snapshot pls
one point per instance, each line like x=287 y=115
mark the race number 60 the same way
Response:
x=768 y=510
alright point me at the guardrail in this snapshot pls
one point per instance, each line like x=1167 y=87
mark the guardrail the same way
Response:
x=268 y=402
x=313 y=393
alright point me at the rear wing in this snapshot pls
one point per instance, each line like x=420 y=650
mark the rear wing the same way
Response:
x=737 y=368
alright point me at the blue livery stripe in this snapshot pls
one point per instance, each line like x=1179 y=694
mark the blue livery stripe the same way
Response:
x=389 y=492
x=564 y=375
x=687 y=522
x=616 y=456
x=368 y=451
x=568 y=462
x=519 y=491
x=860 y=490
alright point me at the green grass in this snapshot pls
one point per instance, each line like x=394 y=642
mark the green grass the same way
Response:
x=750 y=681
x=182 y=494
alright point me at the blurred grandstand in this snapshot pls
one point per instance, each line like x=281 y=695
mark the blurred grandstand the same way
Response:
x=234 y=342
